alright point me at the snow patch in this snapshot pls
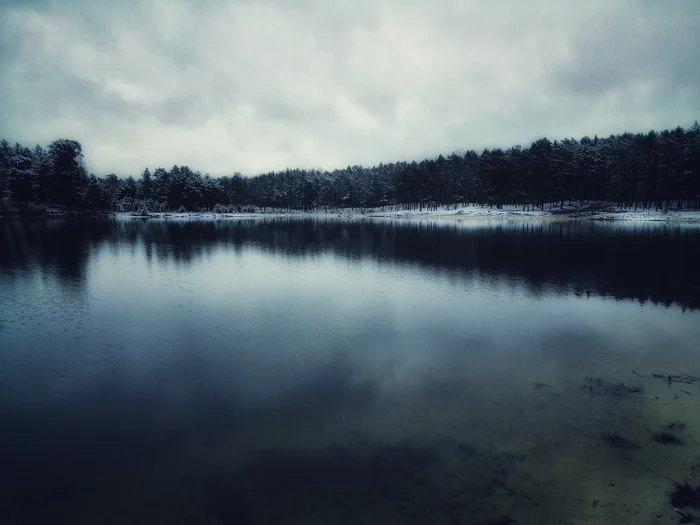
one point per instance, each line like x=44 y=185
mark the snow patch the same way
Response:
x=573 y=211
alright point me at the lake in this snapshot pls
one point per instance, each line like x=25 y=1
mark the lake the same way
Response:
x=304 y=371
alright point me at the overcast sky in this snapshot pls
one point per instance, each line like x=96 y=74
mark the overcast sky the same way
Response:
x=257 y=85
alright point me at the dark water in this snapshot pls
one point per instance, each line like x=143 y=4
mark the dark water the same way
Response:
x=311 y=371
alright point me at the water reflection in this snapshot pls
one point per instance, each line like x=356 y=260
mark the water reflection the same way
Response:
x=297 y=371
x=647 y=262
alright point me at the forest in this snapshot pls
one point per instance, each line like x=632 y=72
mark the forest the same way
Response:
x=649 y=170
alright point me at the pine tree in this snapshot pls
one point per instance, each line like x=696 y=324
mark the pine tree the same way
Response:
x=146 y=184
x=21 y=178
x=95 y=195
x=66 y=171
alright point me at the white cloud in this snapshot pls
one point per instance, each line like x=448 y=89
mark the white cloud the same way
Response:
x=257 y=85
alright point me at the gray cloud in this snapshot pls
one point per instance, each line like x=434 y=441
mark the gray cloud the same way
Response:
x=254 y=85
x=636 y=54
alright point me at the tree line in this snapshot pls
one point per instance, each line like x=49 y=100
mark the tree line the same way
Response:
x=654 y=169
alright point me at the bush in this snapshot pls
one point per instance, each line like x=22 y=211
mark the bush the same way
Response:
x=222 y=208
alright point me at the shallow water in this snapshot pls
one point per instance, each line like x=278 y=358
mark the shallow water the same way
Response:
x=322 y=371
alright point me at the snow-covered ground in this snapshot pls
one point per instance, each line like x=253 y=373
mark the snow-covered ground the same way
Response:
x=649 y=215
x=587 y=211
x=463 y=212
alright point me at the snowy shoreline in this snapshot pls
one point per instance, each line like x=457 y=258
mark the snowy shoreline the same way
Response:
x=454 y=213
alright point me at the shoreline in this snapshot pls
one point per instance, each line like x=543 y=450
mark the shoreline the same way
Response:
x=463 y=214
x=451 y=213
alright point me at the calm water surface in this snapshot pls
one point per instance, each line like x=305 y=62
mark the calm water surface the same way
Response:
x=324 y=371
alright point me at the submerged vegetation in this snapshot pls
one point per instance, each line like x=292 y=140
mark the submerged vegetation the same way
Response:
x=617 y=441
x=685 y=496
x=665 y=438
x=659 y=170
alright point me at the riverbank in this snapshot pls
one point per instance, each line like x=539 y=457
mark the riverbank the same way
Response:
x=594 y=212
x=574 y=211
